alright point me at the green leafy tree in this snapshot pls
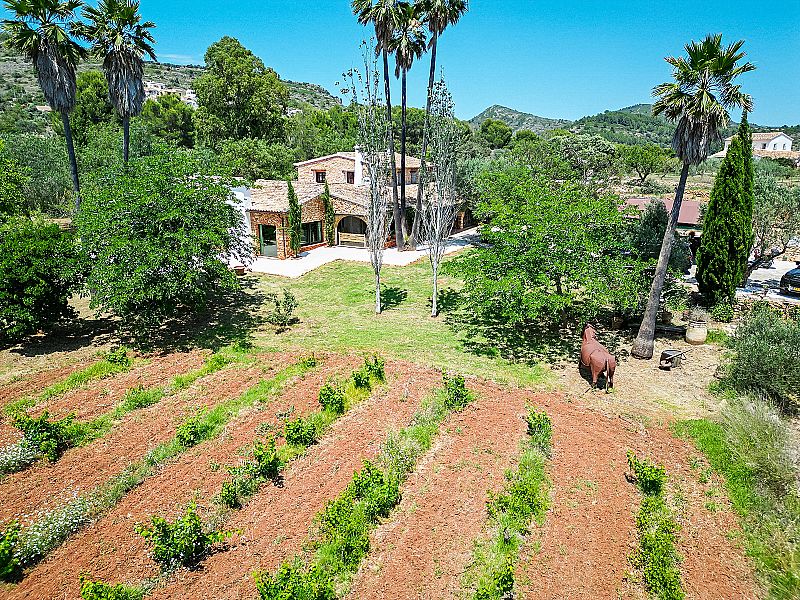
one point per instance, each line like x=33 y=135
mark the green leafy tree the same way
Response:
x=116 y=33
x=238 y=96
x=156 y=231
x=255 y=159
x=648 y=233
x=727 y=224
x=103 y=147
x=408 y=44
x=383 y=15
x=169 y=119
x=92 y=107
x=697 y=101
x=496 y=133
x=40 y=31
x=313 y=133
x=40 y=268
x=592 y=158
x=643 y=160
x=295 y=219
x=12 y=187
x=330 y=216
x=438 y=16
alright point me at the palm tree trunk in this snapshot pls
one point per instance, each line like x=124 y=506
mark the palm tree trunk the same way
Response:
x=643 y=346
x=403 y=155
x=126 y=137
x=398 y=228
x=73 y=161
x=421 y=174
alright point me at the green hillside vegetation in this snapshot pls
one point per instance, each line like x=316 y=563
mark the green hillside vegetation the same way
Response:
x=518 y=120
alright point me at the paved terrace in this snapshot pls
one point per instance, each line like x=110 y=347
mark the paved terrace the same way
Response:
x=313 y=259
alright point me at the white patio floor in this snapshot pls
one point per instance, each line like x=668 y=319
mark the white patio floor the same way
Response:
x=313 y=259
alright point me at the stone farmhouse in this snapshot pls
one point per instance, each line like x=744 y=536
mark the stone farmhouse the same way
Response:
x=772 y=144
x=266 y=204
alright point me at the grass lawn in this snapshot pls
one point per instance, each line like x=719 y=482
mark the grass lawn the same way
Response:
x=336 y=310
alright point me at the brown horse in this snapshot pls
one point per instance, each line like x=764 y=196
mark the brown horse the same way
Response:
x=595 y=357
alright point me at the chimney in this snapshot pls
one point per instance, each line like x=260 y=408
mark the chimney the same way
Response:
x=359 y=175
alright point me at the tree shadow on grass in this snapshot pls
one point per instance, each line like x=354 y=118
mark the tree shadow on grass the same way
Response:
x=392 y=297
x=67 y=337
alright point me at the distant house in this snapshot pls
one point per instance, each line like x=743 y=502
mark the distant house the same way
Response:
x=772 y=144
x=689 y=216
x=266 y=204
x=153 y=90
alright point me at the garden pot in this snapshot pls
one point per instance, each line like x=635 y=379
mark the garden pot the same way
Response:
x=696 y=332
x=239 y=270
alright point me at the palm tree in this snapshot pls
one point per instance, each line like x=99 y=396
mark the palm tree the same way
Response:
x=439 y=15
x=697 y=102
x=383 y=15
x=408 y=44
x=116 y=33
x=40 y=30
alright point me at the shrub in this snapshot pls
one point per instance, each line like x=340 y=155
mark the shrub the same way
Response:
x=192 y=431
x=118 y=356
x=50 y=438
x=540 y=429
x=722 y=312
x=650 y=477
x=361 y=379
x=293 y=582
x=97 y=590
x=268 y=463
x=282 y=314
x=16 y=457
x=309 y=362
x=656 y=555
x=331 y=396
x=300 y=432
x=9 y=563
x=767 y=357
x=182 y=543
x=457 y=396
x=498 y=584
x=39 y=270
x=376 y=367
x=140 y=397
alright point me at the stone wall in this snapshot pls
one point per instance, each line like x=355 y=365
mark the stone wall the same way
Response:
x=335 y=170
x=311 y=211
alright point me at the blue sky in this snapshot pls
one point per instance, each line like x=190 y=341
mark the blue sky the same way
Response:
x=559 y=59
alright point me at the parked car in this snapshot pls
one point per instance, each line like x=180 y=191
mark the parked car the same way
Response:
x=790 y=283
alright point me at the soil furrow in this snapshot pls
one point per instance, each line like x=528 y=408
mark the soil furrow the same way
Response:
x=112 y=551
x=425 y=548
x=38 y=381
x=276 y=523
x=82 y=469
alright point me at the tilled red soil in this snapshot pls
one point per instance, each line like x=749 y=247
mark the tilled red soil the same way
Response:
x=36 y=382
x=425 y=548
x=590 y=530
x=275 y=524
x=112 y=551
x=81 y=469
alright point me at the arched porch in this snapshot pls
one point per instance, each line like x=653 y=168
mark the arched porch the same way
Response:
x=351 y=231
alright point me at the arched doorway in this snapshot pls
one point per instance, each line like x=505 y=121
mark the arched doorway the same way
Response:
x=352 y=231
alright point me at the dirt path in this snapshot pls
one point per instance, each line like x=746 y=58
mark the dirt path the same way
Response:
x=590 y=530
x=276 y=523
x=82 y=469
x=37 y=381
x=422 y=552
x=112 y=551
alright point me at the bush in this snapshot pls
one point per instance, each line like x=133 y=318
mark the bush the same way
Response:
x=268 y=463
x=767 y=357
x=292 y=582
x=498 y=585
x=50 y=438
x=656 y=555
x=650 y=477
x=361 y=379
x=722 y=312
x=331 y=396
x=97 y=590
x=300 y=432
x=9 y=564
x=457 y=396
x=182 y=543
x=119 y=357
x=540 y=429
x=40 y=268
x=282 y=313
x=376 y=368
x=192 y=431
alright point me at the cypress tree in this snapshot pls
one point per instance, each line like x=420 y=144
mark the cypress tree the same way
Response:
x=747 y=199
x=718 y=259
x=295 y=222
x=330 y=216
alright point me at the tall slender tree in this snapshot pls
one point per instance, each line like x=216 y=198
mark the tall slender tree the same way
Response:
x=295 y=218
x=41 y=30
x=438 y=16
x=383 y=15
x=746 y=206
x=697 y=101
x=115 y=30
x=408 y=44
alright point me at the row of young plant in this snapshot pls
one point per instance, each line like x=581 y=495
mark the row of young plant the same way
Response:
x=656 y=557
x=22 y=547
x=46 y=438
x=523 y=501
x=341 y=538
x=186 y=541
